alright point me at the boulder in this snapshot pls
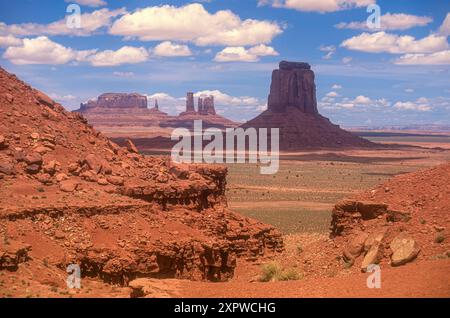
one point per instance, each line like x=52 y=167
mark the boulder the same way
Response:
x=93 y=162
x=3 y=142
x=7 y=167
x=44 y=99
x=68 y=185
x=33 y=158
x=12 y=254
x=355 y=247
x=373 y=256
x=404 y=249
x=115 y=180
x=131 y=147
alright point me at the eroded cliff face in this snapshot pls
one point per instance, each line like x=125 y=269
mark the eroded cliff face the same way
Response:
x=71 y=196
x=293 y=86
x=117 y=100
x=292 y=108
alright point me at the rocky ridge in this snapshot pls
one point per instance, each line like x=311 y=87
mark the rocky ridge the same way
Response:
x=70 y=195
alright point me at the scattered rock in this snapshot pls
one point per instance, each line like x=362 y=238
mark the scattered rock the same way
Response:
x=7 y=167
x=12 y=254
x=93 y=162
x=115 y=180
x=373 y=256
x=3 y=142
x=33 y=158
x=44 y=99
x=355 y=247
x=61 y=177
x=131 y=146
x=68 y=185
x=153 y=288
x=404 y=248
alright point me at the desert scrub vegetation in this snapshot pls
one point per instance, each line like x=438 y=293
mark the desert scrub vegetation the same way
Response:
x=273 y=271
x=440 y=237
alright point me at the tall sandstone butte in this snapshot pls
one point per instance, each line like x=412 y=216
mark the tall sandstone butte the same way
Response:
x=292 y=107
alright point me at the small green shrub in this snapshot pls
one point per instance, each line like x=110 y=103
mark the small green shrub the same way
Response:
x=274 y=272
x=440 y=237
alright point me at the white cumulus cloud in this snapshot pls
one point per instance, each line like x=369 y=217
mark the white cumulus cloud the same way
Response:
x=124 y=55
x=390 y=21
x=90 y=23
x=317 y=5
x=241 y=54
x=89 y=3
x=391 y=43
x=42 y=50
x=170 y=49
x=193 y=23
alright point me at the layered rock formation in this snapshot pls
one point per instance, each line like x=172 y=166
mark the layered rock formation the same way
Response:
x=121 y=111
x=71 y=196
x=292 y=107
x=405 y=218
x=116 y=100
x=293 y=86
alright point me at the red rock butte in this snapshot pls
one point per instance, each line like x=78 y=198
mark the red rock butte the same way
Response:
x=292 y=107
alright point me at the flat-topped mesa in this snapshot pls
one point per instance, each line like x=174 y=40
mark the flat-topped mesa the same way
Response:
x=117 y=100
x=293 y=86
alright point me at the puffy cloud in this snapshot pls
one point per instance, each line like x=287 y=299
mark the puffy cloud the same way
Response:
x=317 y=5
x=90 y=22
x=224 y=102
x=89 y=3
x=42 y=50
x=330 y=49
x=223 y=99
x=422 y=105
x=336 y=86
x=445 y=27
x=124 y=55
x=396 y=21
x=10 y=40
x=391 y=43
x=123 y=74
x=359 y=102
x=194 y=24
x=332 y=94
x=241 y=54
x=347 y=59
x=437 y=58
x=63 y=98
x=170 y=49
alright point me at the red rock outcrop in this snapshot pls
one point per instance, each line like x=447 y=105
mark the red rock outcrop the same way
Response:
x=71 y=196
x=117 y=100
x=292 y=107
x=404 y=218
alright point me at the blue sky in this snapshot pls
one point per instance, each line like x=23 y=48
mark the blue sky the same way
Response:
x=397 y=74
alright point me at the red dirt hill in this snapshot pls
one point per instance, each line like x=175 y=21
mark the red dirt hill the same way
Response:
x=70 y=195
x=407 y=217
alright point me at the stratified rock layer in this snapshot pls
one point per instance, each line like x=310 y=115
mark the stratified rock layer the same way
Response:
x=71 y=196
x=292 y=107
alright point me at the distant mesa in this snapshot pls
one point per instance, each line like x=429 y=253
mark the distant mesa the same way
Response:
x=292 y=107
x=116 y=100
